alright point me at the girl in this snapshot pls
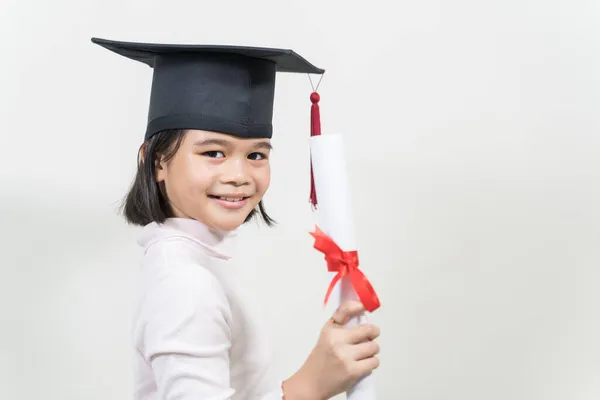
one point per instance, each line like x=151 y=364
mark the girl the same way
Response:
x=203 y=171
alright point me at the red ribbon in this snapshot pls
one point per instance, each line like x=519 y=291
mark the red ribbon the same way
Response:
x=345 y=263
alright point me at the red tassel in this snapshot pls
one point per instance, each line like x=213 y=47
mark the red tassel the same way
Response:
x=315 y=129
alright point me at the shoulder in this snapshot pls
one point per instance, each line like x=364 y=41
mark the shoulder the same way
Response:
x=184 y=284
x=171 y=264
x=186 y=308
x=175 y=286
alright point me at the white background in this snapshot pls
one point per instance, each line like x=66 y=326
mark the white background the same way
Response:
x=472 y=132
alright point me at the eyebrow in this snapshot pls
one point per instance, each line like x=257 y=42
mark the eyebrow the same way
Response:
x=208 y=142
x=263 y=145
x=227 y=143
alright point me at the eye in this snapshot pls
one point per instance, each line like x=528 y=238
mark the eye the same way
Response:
x=214 y=154
x=257 y=156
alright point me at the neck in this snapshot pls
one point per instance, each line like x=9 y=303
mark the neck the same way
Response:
x=213 y=240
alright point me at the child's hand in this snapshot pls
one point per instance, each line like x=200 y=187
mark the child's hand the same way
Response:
x=341 y=357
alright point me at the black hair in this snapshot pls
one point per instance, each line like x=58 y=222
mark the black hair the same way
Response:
x=146 y=200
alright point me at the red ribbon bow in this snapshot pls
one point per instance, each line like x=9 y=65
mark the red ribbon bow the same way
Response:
x=345 y=263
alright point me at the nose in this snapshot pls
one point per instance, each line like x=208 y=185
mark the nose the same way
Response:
x=235 y=172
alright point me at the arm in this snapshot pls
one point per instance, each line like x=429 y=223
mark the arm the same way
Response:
x=186 y=337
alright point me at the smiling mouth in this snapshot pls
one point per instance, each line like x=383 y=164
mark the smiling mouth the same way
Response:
x=229 y=198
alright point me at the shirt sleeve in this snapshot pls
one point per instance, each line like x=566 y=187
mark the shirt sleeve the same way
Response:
x=187 y=338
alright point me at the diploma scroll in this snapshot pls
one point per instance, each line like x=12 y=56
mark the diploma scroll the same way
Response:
x=335 y=219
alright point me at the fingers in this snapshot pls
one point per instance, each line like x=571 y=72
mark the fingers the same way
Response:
x=346 y=352
x=355 y=334
x=364 y=350
x=365 y=366
x=362 y=333
x=346 y=311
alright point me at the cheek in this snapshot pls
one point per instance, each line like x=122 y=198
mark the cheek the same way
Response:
x=200 y=178
x=190 y=175
x=262 y=178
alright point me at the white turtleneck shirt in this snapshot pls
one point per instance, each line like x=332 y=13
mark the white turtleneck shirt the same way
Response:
x=196 y=334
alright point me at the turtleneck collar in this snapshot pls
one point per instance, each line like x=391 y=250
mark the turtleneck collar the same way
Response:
x=214 y=242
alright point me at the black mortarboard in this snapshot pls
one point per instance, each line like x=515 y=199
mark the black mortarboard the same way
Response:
x=227 y=89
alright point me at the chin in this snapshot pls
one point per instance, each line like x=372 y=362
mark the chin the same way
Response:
x=229 y=222
x=228 y=226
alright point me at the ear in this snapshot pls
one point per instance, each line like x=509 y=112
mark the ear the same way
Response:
x=160 y=168
x=142 y=153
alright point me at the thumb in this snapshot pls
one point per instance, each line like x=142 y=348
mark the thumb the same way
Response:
x=347 y=310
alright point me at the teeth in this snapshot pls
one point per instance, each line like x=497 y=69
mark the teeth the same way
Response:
x=231 y=198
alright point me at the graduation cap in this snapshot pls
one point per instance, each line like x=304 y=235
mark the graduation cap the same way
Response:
x=220 y=88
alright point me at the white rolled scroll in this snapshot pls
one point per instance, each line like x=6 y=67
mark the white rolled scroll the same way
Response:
x=334 y=218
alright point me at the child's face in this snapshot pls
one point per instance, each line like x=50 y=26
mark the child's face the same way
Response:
x=215 y=178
